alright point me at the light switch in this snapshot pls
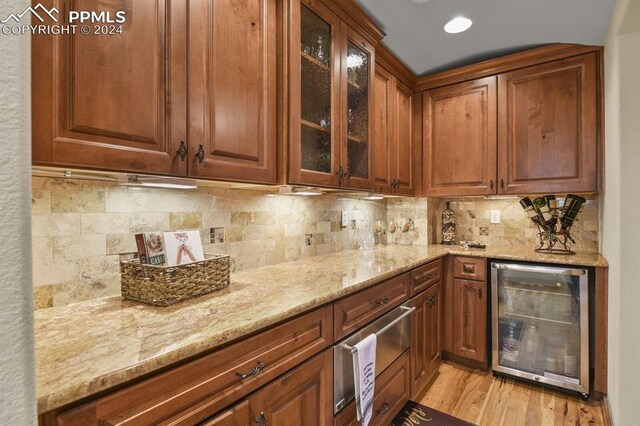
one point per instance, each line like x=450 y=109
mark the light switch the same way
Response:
x=495 y=216
x=344 y=221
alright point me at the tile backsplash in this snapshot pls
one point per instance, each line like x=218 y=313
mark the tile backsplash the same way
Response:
x=474 y=223
x=80 y=227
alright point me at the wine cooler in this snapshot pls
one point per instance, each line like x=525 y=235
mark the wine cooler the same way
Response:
x=540 y=324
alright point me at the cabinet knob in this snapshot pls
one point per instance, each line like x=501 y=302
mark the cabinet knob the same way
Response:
x=383 y=301
x=340 y=172
x=383 y=409
x=348 y=174
x=491 y=183
x=200 y=154
x=502 y=183
x=182 y=151
x=479 y=293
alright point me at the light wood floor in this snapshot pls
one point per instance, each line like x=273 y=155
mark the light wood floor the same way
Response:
x=479 y=398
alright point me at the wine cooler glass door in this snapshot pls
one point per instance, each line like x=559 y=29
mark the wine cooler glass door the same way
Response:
x=540 y=324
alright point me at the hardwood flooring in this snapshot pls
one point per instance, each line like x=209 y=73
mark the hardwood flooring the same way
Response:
x=477 y=397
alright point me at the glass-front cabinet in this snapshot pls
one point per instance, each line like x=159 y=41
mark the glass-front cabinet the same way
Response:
x=331 y=69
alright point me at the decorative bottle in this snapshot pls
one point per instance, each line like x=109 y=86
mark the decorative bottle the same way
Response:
x=448 y=226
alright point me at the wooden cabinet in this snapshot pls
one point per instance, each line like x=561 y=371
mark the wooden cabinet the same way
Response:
x=196 y=390
x=393 y=147
x=426 y=337
x=302 y=397
x=330 y=78
x=232 y=90
x=113 y=102
x=235 y=416
x=528 y=130
x=361 y=308
x=470 y=319
x=547 y=127
x=141 y=102
x=460 y=137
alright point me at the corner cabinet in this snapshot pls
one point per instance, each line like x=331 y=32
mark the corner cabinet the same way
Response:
x=460 y=139
x=330 y=99
x=142 y=102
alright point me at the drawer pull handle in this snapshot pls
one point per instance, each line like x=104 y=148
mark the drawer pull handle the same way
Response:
x=480 y=293
x=182 y=151
x=431 y=276
x=261 y=420
x=200 y=154
x=251 y=372
x=383 y=409
x=469 y=269
x=383 y=301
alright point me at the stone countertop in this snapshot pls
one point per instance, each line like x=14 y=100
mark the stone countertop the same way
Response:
x=88 y=347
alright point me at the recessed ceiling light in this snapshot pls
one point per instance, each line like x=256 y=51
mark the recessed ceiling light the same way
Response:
x=419 y=1
x=457 y=25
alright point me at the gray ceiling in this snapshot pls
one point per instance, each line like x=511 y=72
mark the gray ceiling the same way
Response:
x=415 y=31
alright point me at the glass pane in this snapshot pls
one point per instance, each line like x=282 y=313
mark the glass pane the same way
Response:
x=357 y=111
x=315 y=51
x=539 y=324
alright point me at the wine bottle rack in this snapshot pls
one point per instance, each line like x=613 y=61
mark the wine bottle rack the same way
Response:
x=556 y=241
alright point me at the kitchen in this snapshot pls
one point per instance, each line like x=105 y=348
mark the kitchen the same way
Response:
x=330 y=167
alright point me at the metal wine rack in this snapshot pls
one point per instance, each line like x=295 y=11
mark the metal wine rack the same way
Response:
x=556 y=241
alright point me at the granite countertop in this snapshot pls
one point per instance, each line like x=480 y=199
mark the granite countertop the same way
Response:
x=88 y=347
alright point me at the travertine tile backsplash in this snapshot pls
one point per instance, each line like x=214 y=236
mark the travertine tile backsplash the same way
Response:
x=80 y=227
x=473 y=222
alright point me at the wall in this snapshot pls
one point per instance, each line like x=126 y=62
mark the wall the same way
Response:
x=473 y=222
x=80 y=227
x=620 y=206
x=17 y=381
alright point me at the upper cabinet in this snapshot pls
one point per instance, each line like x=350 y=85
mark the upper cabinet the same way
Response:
x=395 y=153
x=232 y=90
x=115 y=102
x=330 y=99
x=460 y=139
x=120 y=102
x=541 y=123
x=547 y=127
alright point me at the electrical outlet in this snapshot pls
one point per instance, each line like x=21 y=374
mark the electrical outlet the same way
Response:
x=495 y=216
x=344 y=219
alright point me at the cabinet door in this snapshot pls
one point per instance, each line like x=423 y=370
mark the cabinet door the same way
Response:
x=235 y=416
x=383 y=145
x=357 y=106
x=470 y=319
x=302 y=397
x=113 y=102
x=314 y=94
x=425 y=337
x=460 y=144
x=547 y=127
x=403 y=135
x=232 y=90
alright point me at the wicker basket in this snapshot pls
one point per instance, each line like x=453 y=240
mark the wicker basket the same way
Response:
x=166 y=285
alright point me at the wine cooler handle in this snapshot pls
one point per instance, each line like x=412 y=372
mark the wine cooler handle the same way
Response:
x=540 y=269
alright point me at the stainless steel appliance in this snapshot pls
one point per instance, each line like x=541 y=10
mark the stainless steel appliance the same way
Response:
x=393 y=335
x=540 y=326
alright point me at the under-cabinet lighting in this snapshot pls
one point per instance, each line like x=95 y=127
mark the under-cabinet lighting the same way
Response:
x=458 y=25
x=158 y=182
x=295 y=190
x=372 y=196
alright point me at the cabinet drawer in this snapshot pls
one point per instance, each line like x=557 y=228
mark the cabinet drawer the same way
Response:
x=470 y=268
x=355 y=311
x=195 y=391
x=424 y=276
x=391 y=393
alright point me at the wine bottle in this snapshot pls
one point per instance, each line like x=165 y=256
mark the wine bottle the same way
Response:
x=528 y=207
x=546 y=217
x=570 y=210
x=552 y=203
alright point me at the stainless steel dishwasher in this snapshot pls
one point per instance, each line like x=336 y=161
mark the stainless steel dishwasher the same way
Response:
x=393 y=337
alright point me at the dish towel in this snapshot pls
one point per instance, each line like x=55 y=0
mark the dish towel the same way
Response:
x=364 y=376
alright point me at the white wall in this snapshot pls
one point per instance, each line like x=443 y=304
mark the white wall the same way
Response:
x=17 y=379
x=620 y=208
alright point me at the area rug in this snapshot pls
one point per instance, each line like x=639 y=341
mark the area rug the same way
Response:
x=414 y=414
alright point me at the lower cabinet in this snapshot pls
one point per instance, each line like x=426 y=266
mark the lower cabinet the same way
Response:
x=391 y=393
x=470 y=319
x=235 y=416
x=426 y=348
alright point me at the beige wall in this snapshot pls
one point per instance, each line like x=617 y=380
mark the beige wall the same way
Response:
x=620 y=219
x=17 y=377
